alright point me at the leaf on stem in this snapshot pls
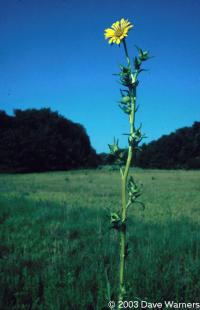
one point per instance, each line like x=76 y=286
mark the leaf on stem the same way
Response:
x=143 y=55
x=134 y=191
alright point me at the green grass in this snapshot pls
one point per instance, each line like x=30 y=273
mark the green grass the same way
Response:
x=58 y=251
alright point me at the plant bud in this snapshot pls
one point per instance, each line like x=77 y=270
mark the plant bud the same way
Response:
x=137 y=63
x=125 y=100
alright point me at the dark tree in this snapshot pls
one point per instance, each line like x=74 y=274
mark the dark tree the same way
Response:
x=42 y=140
x=180 y=149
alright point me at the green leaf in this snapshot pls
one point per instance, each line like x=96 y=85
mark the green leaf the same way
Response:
x=114 y=217
x=137 y=63
x=134 y=190
x=125 y=109
x=114 y=148
x=143 y=55
x=136 y=137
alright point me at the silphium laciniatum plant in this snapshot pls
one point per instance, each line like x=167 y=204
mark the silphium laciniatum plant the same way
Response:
x=130 y=190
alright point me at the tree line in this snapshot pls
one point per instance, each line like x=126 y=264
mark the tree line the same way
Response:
x=42 y=140
x=178 y=150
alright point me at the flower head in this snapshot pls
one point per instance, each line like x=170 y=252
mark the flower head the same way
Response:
x=118 y=31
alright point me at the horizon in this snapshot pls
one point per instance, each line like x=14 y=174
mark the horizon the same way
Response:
x=107 y=151
x=53 y=54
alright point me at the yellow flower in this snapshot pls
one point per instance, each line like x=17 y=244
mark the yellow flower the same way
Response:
x=118 y=31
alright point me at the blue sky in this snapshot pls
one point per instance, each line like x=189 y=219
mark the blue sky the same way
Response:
x=53 y=54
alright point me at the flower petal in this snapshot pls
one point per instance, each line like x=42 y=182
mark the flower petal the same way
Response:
x=118 y=31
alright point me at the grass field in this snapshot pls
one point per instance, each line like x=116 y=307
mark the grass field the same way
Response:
x=58 y=251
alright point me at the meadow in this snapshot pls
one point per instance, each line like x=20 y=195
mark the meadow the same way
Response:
x=58 y=250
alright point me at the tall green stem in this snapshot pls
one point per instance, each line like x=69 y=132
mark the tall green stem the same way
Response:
x=126 y=52
x=122 y=289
